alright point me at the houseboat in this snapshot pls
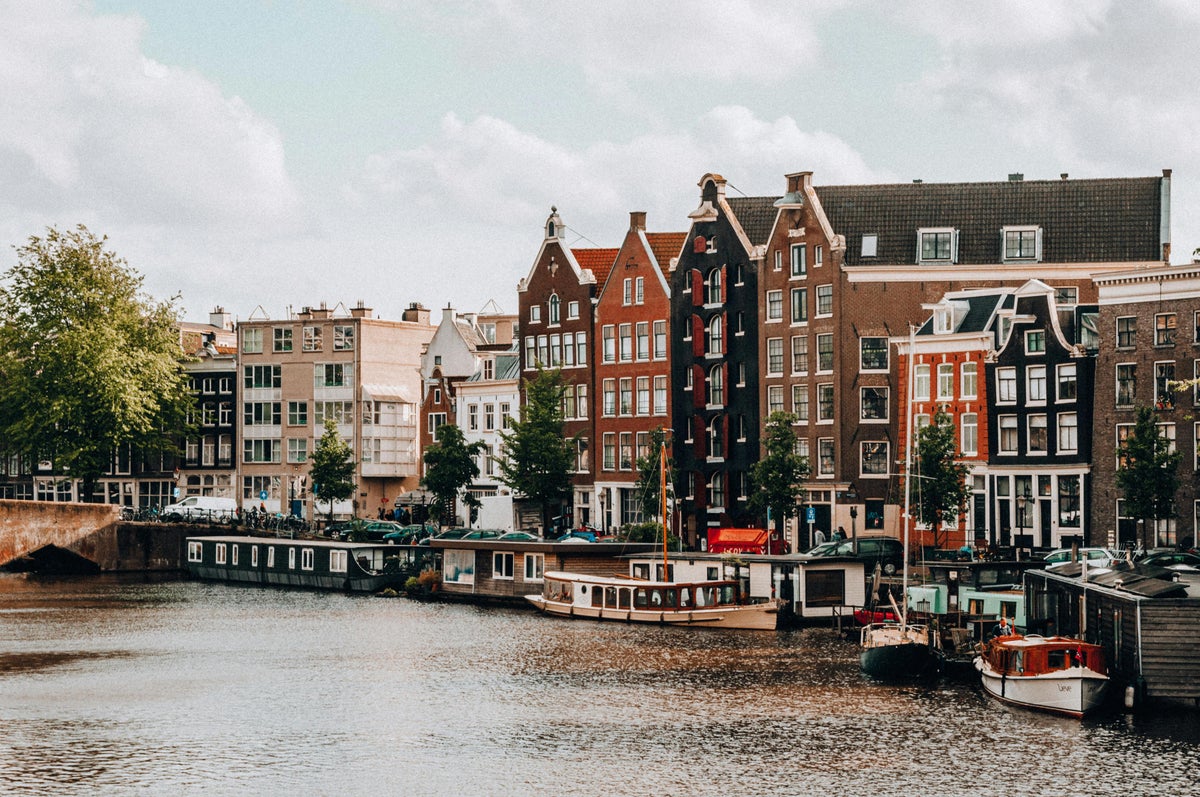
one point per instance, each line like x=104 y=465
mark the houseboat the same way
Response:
x=312 y=564
x=715 y=604
x=1056 y=674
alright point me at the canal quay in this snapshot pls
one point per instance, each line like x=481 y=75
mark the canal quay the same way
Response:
x=119 y=684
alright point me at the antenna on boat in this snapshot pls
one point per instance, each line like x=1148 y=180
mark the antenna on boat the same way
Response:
x=912 y=370
x=662 y=495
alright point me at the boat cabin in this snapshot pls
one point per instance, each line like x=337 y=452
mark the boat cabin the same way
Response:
x=653 y=596
x=1035 y=655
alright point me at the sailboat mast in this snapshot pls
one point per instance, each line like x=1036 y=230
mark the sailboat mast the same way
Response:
x=662 y=495
x=908 y=421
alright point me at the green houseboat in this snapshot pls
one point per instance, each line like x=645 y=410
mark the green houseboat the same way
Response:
x=311 y=564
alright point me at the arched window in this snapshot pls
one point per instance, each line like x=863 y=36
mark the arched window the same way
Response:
x=716 y=342
x=554 y=308
x=716 y=385
x=716 y=439
x=713 y=287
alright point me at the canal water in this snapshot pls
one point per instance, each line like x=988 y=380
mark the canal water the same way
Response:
x=111 y=686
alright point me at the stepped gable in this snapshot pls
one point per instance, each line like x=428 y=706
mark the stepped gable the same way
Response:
x=1084 y=221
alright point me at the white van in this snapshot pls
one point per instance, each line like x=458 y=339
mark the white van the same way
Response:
x=200 y=508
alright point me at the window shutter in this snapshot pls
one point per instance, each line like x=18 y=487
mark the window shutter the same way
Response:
x=724 y=284
x=697 y=336
x=698 y=436
x=699 y=386
x=725 y=437
x=697 y=288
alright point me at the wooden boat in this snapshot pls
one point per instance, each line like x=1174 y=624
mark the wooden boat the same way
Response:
x=313 y=564
x=703 y=603
x=1057 y=674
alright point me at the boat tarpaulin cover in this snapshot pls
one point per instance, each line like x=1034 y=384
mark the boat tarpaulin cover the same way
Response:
x=737 y=541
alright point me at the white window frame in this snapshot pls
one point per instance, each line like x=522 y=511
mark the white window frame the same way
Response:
x=952 y=253
x=1021 y=256
x=503 y=565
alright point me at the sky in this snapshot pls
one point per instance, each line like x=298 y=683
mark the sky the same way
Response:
x=263 y=155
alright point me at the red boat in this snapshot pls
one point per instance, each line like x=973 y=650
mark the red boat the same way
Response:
x=866 y=617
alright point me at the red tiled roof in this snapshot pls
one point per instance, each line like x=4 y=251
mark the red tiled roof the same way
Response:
x=664 y=246
x=600 y=261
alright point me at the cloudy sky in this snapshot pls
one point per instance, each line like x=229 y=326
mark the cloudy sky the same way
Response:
x=262 y=152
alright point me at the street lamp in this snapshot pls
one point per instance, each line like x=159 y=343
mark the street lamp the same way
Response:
x=1022 y=500
x=851 y=497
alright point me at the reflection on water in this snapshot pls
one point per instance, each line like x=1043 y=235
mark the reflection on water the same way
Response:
x=112 y=686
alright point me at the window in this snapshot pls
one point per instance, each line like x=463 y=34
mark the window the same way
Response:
x=1008 y=434
x=625 y=396
x=778 y=260
x=873 y=354
x=799 y=305
x=937 y=245
x=260 y=450
x=716 y=439
x=1164 y=385
x=921 y=382
x=874 y=403
x=712 y=293
x=800 y=403
x=608 y=451
x=1037 y=434
x=1035 y=341
x=1167 y=432
x=1126 y=332
x=1196 y=326
x=818 y=256
x=342 y=412
x=1126 y=384
x=1022 y=243
x=774 y=356
x=1035 y=383
x=660 y=340
x=312 y=339
x=436 y=421
x=643 y=395
x=610 y=397
x=1068 y=433
x=1068 y=501
x=1124 y=430
x=608 y=337
x=535 y=314
x=555 y=350
x=774 y=305
x=874 y=460
x=581 y=455
x=716 y=492
x=226 y=413
x=252 y=340
x=343 y=338
x=625 y=336
x=502 y=565
x=333 y=375
x=969 y=434
x=799 y=260
x=945 y=381
x=530 y=352
x=627 y=291
x=800 y=354
x=1164 y=329
x=716 y=385
x=297 y=449
x=970 y=380
x=220 y=553
x=1066 y=295
x=639 y=290
x=306 y=558
x=825 y=457
x=283 y=339
x=774 y=399
x=1006 y=385
x=825 y=402
x=535 y=566
x=643 y=340
x=660 y=395
x=824 y=300
x=716 y=330
x=261 y=413
x=1067 y=386
x=195 y=551
x=870 y=244
x=825 y=352
x=261 y=376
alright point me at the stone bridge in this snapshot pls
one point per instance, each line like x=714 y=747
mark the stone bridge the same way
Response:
x=53 y=536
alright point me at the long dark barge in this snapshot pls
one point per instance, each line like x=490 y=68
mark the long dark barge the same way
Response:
x=311 y=564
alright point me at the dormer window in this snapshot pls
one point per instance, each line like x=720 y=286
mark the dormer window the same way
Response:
x=943 y=321
x=937 y=245
x=870 y=244
x=1022 y=243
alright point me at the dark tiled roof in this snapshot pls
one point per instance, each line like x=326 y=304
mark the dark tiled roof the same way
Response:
x=1106 y=220
x=600 y=261
x=756 y=214
x=981 y=310
x=664 y=246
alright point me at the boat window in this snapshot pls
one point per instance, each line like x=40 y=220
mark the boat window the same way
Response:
x=640 y=599
x=1058 y=659
x=271 y=556
x=727 y=594
x=656 y=598
x=712 y=574
x=610 y=596
x=685 y=597
x=705 y=596
x=672 y=598
x=623 y=598
x=641 y=571
x=597 y=597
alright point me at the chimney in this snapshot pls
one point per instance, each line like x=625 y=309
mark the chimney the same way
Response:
x=637 y=220
x=360 y=310
x=1016 y=177
x=447 y=314
x=220 y=318
x=1063 y=176
x=416 y=313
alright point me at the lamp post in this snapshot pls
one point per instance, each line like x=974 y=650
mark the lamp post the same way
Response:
x=851 y=498
x=1022 y=500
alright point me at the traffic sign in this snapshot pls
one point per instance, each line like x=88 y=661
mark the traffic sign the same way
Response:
x=262 y=495
x=810 y=514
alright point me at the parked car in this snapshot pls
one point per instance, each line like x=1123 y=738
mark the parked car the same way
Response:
x=1096 y=557
x=482 y=534
x=824 y=549
x=1179 y=560
x=365 y=530
x=197 y=508
x=573 y=535
x=407 y=535
x=518 y=536
x=887 y=552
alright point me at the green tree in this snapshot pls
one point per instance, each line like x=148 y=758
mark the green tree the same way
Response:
x=537 y=456
x=649 y=483
x=89 y=364
x=777 y=479
x=450 y=466
x=940 y=491
x=332 y=467
x=1148 y=475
